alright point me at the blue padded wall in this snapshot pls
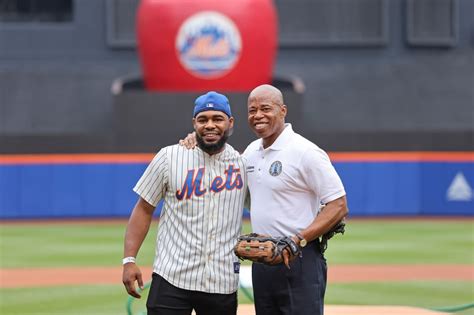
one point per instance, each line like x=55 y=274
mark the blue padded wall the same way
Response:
x=105 y=190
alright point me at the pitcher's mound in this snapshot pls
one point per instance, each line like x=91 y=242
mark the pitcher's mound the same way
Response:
x=247 y=309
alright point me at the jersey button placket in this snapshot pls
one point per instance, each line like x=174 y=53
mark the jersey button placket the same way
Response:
x=208 y=204
x=260 y=165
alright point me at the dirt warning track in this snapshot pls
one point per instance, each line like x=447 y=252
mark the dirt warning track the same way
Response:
x=47 y=277
x=43 y=277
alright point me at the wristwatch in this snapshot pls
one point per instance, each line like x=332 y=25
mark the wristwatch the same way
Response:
x=303 y=241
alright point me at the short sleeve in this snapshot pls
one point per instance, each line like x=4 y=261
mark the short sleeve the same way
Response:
x=321 y=175
x=153 y=183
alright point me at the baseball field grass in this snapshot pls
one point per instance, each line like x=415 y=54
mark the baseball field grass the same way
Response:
x=366 y=242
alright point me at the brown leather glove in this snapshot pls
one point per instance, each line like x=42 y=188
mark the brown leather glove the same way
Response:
x=266 y=249
x=338 y=228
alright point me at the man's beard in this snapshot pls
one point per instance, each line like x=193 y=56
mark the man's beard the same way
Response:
x=212 y=148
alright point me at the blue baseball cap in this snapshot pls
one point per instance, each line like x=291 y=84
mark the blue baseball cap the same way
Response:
x=212 y=101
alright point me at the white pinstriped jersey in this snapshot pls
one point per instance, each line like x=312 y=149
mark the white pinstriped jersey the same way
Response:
x=201 y=216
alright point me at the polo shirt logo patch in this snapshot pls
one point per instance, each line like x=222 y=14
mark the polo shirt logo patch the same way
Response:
x=275 y=168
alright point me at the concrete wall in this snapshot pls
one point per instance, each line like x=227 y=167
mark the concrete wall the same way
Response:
x=379 y=74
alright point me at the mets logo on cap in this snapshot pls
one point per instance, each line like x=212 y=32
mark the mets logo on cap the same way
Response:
x=208 y=44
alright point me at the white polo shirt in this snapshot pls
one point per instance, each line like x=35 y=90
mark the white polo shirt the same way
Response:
x=287 y=183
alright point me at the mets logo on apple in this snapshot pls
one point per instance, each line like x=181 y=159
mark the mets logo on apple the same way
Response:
x=208 y=44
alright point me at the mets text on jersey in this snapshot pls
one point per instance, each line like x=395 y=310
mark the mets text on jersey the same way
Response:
x=193 y=182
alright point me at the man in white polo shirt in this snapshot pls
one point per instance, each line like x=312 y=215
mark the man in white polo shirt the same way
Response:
x=289 y=177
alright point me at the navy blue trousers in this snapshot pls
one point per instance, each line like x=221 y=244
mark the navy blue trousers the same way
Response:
x=296 y=291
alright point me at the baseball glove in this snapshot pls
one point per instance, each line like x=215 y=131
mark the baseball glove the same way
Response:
x=338 y=228
x=266 y=249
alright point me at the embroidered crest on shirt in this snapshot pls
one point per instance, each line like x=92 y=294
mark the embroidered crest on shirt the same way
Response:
x=275 y=168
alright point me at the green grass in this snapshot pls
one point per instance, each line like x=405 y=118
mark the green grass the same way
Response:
x=111 y=299
x=365 y=242
x=53 y=245
x=404 y=242
x=426 y=294
x=71 y=300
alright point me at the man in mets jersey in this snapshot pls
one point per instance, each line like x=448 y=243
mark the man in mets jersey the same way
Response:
x=204 y=192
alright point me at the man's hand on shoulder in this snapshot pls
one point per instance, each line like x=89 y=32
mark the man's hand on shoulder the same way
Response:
x=190 y=141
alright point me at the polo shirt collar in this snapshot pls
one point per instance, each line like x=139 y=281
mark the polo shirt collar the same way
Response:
x=282 y=141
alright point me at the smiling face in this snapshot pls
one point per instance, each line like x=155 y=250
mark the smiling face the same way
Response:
x=212 y=130
x=266 y=113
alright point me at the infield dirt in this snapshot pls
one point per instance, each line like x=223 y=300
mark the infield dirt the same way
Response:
x=44 y=277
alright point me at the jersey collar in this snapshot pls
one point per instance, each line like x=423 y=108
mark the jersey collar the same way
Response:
x=282 y=141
